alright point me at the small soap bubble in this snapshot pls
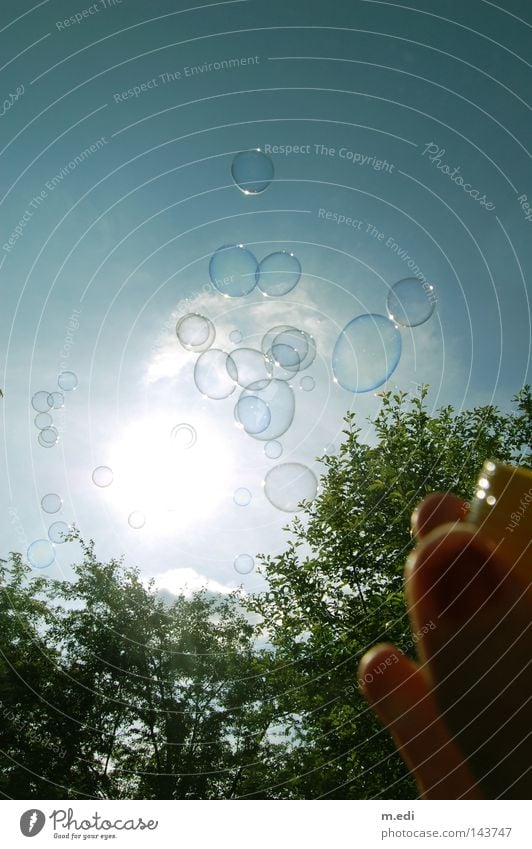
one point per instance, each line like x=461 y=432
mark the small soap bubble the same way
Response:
x=58 y=532
x=43 y=420
x=102 y=476
x=244 y=564
x=307 y=383
x=211 y=375
x=136 y=520
x=51 y=502
x=234 y=271
x=195 y=332
x=183 y=436
x=253 y=414
x=236 y=337
x=48 y=437
x=247 y=366
x=242 y=497
x=411 y=302
x=67 y=381
x=41 y=554
x=56 y=400
x=279 y=273
x=40 y=402
x=289 y=484
x=273 y=450
x=252 y=171
x=279 y=398
x=366 y=353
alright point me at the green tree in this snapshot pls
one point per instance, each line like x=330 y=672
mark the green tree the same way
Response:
x=138 y=697
x=338 y=587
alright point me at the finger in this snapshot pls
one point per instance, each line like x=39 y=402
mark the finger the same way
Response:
x=399 y=694
x=439 y=508
x=476 y=653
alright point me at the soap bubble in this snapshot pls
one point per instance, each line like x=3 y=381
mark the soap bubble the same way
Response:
x=279 y=273
x=253 y=414
x=102 y=476
x=183 y=436
x=246 y=366
x=287 y=485
x=195 y=332
x=279 y=399
x=242 y=497
x=289 y=350
x=43 y=420
x=244 y=564
x=273 y=450
x=67 y=381
x=307 y=383
x=48 y=437
x=236 y=337
x=411 y=302
x=56 y=400
x=41 y=554
x=58 y=532
x=252 y=171
x=51 y=503
x=366 y=353
x=40 y=402
x=136 y=520
x=234 y=271
x=211 y=375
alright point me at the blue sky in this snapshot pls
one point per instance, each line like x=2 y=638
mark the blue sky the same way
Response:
x=111 y=254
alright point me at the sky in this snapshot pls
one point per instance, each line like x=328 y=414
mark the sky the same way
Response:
x=396 y=138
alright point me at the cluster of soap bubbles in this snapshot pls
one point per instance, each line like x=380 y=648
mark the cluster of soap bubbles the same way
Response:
x=368 y=349
x=265 y=405
x=235 y=272
x=44 y=402
x=41 y=552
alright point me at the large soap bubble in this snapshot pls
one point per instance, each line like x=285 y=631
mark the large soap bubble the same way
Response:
x=195 y=332
x=253 y=414
x=48 y=437
x=41 y=553
x=67 y=381
x=43 y=420
x=278 y=397
x=234 y=271
x=242 y=497
x=287 y=485
x=51 y=502
x=279 y=273
x=244 y=564
x=58 y=532
x=211 y=375
x=252 y=171
x=273 y=450
x=366 y=353
x=247 y=365
x=411 y=302
x=102 y=476
x=41 y=401
x=56 y=400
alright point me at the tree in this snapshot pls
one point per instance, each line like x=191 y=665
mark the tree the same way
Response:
x=140 y=698
x=338 y=587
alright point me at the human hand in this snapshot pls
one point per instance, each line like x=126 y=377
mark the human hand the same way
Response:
x=461 y=716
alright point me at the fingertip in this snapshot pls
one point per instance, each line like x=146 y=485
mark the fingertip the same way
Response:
x=437 y=509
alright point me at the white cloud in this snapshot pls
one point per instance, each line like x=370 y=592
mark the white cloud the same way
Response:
x=187 y=581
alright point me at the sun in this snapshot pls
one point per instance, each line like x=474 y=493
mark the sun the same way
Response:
x=174 y=475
